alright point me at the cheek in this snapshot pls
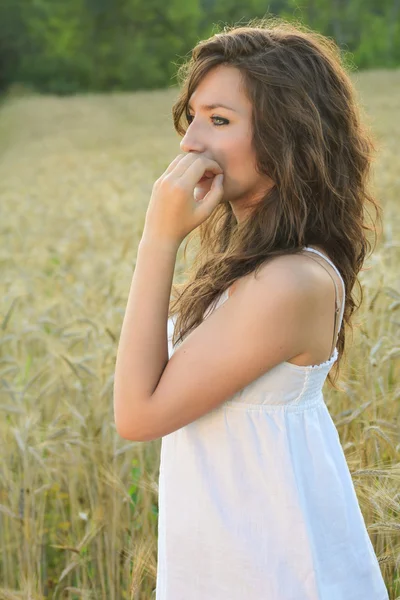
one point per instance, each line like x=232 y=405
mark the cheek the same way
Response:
x=236 y=157
x=241 y=165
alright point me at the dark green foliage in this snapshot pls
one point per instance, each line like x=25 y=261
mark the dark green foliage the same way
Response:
x=61 y=47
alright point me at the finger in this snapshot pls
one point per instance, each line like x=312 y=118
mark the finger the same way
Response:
x=190 y=158
x=195 y=170
x=183 y=160
x=211 y=199
x=176 y=161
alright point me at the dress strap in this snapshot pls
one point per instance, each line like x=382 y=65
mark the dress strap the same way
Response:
x=337 y=307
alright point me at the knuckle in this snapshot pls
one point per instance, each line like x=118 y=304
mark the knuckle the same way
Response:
x=179 y=186
x=172 y=184
x=167 y=180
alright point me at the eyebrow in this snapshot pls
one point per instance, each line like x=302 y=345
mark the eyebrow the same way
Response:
x=212 y=106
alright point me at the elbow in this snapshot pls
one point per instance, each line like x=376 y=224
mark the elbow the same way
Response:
x=132 y=434
x=133 y=425
x=124 y=426
x=128 y=428
x=125 y=433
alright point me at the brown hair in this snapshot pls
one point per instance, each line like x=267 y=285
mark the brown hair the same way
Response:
x=308 y=139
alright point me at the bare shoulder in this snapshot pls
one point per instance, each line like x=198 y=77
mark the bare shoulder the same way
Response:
x=295 y=272
x=265 y=322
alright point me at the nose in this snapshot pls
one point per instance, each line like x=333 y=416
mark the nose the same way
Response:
x=191 y=142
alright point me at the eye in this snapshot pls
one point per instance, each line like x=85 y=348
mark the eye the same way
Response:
x=189 y=119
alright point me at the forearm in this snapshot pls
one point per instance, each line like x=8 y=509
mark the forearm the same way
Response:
x=143 y=345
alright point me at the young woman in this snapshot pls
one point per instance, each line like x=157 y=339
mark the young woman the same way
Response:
x=256 y=500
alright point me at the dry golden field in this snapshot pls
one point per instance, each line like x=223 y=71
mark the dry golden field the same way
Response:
x=78 y=504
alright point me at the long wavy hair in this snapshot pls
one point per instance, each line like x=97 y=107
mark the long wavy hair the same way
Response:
x=309 y=140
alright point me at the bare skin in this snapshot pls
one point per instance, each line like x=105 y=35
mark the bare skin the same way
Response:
x=320 y=340
x=284 y=315
x=226 y=136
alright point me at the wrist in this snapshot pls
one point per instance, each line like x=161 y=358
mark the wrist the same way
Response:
x=157 y=241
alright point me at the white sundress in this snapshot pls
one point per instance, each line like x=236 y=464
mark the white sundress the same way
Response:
x=256 y=501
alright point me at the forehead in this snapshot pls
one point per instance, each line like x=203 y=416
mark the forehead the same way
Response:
x=221 y=85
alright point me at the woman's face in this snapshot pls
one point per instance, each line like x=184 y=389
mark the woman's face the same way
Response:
x=225 y=135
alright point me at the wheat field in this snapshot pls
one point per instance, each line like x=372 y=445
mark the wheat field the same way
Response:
x=78 y=504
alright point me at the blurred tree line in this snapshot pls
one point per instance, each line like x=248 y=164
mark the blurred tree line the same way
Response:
x=70 y=46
